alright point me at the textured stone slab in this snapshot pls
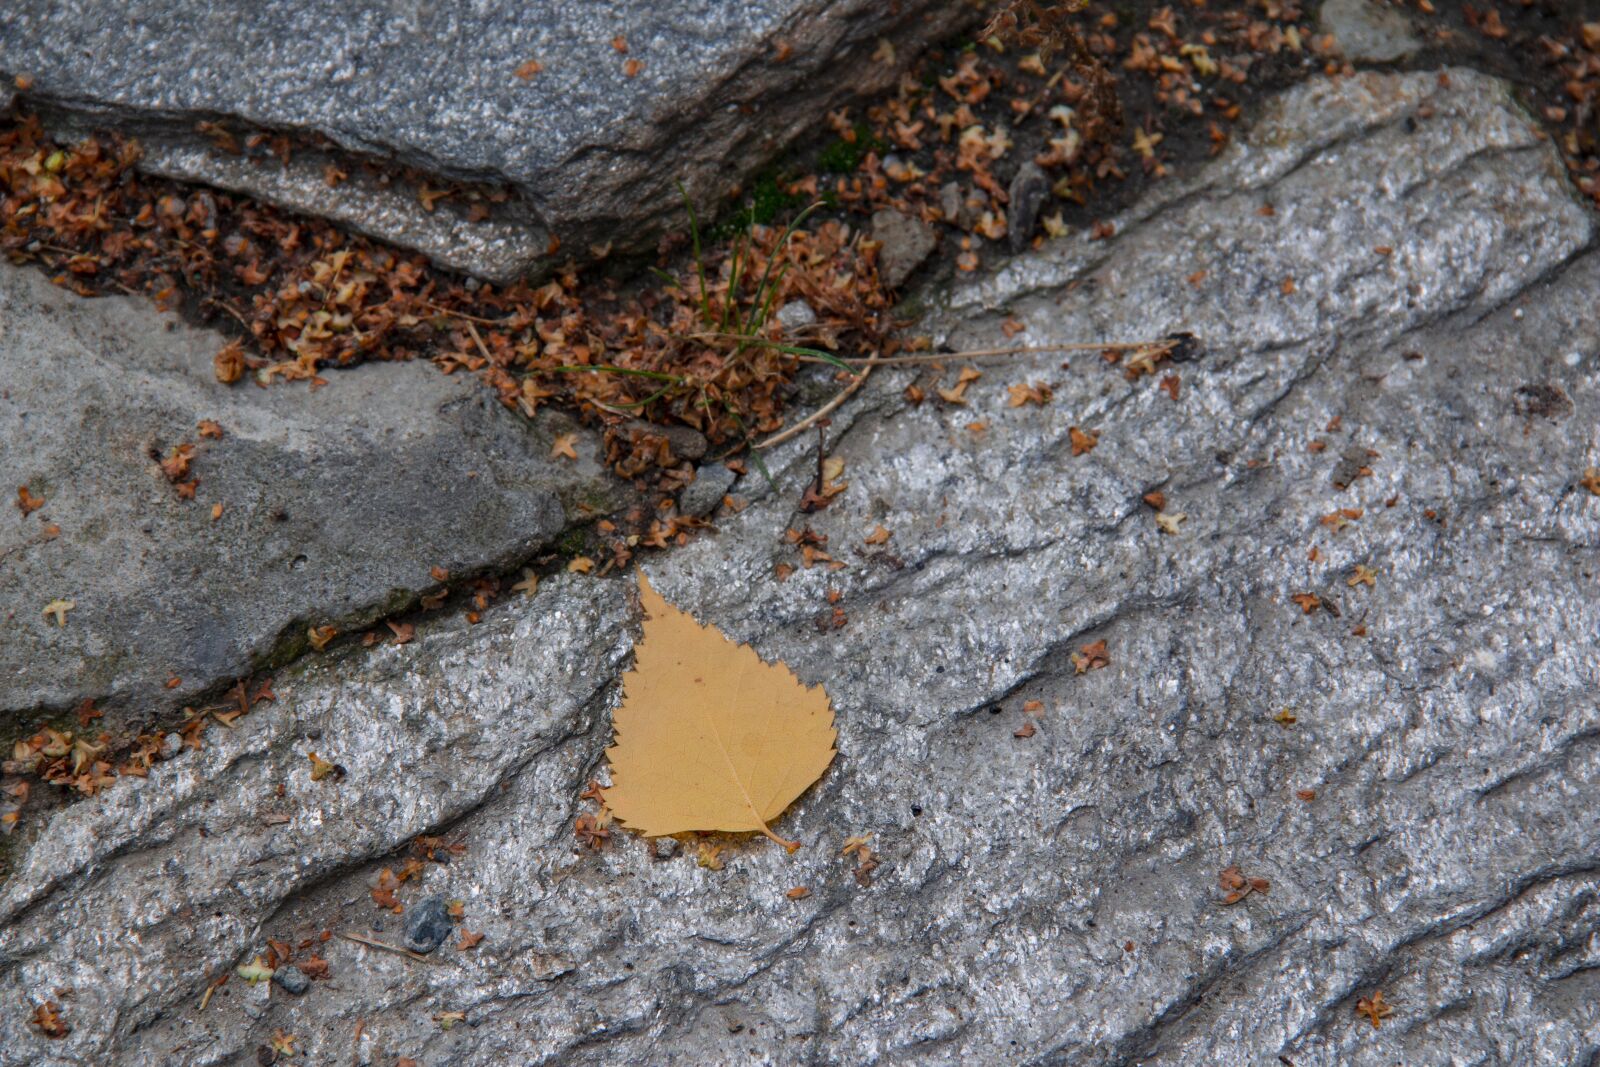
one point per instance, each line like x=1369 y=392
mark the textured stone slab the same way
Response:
x=336 y=502
x=1051 y=898
x=500 y=248
x=632 y=97
x=1368 y=32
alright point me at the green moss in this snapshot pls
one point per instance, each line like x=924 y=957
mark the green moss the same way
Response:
x=292 y=643
x=573 y=542
x=911 y=307
x=843 y=157
x=766 y=199
x=769 y=198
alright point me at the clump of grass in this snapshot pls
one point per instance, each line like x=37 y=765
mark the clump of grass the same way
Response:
x=722 y=337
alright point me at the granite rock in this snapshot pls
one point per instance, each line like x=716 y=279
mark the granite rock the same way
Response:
x=336 y=502
x=291 y=980
x=1028 y=191
x=906 y=243
x=631 y=98
x=711 y=483
x=428 y=924
x=1367 y=31
x=1422 y=822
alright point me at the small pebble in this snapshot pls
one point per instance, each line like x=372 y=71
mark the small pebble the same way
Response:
x=1029 y=190
x=711 y=483
x=427 y=925
x=291 y=979
x=796 y=315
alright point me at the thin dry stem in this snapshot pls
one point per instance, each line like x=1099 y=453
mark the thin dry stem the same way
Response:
x=1020 y=350
x=821 y=413
x=461 y=314
x=396 y=949
x=477 y=340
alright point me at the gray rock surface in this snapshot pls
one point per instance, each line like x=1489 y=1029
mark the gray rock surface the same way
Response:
x=1367 y=31
x=1043 y=899
x=337 y=502
x=591 y=152
x=711 y=483
x=907 y=243
x=498 y=248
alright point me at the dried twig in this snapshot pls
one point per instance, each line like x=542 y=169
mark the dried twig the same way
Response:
x=477 y=340
x=460 y=314
x=212 y=987
x=827 y=409
x=1164 y=345
x=396 y=949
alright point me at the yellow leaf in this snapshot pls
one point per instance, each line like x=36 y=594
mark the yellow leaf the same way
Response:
x=708 y=736
x=254 y=971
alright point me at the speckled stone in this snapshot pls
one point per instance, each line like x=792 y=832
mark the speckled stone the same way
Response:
x=711 y=483
x=291 y=980
x=427 y=925
x=1367 y=31
x=1423 y=823
x=337 y=502
x=592 y=152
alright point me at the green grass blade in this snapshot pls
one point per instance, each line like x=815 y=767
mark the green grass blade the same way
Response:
x=640 y=405
x=755 y=321
x=607 y=368
x=699 y=259
x=761 y=464
x=730 y=303
x=801 y=350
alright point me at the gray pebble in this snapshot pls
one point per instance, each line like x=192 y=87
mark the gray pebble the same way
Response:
x=291 y=979
x=1028 y=192
x=1367 y=32
x=906 y=241
x=711 y=483
x=953 y=205
x=796 y=315
x=257 y=999
x=427 y=925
